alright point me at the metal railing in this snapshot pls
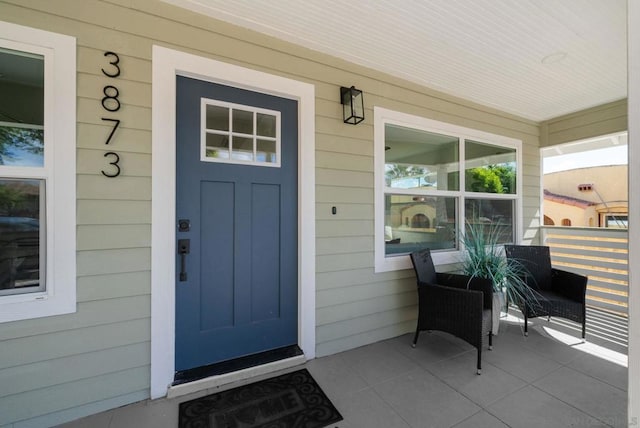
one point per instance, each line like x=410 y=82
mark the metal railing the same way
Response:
x=601 y=254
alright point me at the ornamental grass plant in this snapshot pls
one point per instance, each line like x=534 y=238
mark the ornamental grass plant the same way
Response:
x=484 y=258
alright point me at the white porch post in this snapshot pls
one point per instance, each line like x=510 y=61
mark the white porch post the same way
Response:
x=633 y=37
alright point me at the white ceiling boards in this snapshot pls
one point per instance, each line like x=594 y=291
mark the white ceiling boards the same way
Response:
x=537 y=59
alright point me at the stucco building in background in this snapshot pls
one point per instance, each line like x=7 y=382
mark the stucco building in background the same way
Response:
x=587 y=197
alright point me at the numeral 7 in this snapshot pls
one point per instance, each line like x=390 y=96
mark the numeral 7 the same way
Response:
x=117 y=123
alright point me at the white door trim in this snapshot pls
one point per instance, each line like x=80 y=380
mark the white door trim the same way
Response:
x=167 y=64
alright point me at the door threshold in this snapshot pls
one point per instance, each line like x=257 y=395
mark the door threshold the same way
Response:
x=232 y=379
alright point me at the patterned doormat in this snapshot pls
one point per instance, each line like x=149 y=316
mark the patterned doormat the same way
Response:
x=293 y=400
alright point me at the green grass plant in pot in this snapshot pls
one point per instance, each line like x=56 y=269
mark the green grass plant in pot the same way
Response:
x=484 y=258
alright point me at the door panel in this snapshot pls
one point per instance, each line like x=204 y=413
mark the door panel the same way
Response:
x=265 y=253
x=217 y=225
x=240 y=294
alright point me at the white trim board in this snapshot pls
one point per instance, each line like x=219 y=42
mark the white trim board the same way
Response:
x=167 y=64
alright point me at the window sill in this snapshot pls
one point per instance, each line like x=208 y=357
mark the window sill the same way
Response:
x=35 y=305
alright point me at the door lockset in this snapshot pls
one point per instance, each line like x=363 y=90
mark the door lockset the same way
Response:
x=184 y=225
x=184 y=248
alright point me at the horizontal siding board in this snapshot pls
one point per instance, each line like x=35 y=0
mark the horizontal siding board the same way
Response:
x=48 y=373
x=335 y=126
x=99 y=187
x=355 y=195
x=91 y=111
x=110 y=237
x=91 y=86
x=95 y=161
x=344 y=211
x=100 y=262
x=339 y=144
x=592 y=130
x=365 y=323
x=113 y=286
x=337 y=296
x=90 y=61
x=341 y=178
x=331 y=228
x=43 y=347
x=125 y=139
x=601 y=120
x=72 y=394
x=605 y=112
x=344 y=343
x=344 y=245
x=62 y=416
x=89 y=314
x=338 y=262
x=328 y=280
x=111 y=212
x=353 y=310
x=344 y=161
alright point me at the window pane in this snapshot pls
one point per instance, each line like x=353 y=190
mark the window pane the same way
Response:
x=20 y=246
x=242 y=148
x=491 y=214
x=217 y=146
x=617 y=221
x=21 y=123
x=417 y=159
x=266 y=151
x=489 y=168
x=243 y=122
x=266 y=125
x=217 y=118
x=416 y=222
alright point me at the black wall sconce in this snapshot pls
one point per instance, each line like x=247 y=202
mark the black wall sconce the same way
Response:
x=352 y=105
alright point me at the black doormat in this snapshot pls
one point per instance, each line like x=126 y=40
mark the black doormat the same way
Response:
x=293 y=400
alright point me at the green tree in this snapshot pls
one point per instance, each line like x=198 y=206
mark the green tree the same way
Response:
x=394 y=170
x=10 y=199
x=25 y=139
x=491 y=179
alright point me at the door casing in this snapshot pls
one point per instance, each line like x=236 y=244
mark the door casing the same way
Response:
x=167 y=64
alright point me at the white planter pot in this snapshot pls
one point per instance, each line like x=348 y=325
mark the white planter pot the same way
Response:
x=498 y=304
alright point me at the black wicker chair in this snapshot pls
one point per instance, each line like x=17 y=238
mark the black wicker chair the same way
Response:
x=456 y=304
x=559 y=292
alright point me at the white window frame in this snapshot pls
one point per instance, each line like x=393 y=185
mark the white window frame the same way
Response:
x=382 y=117
x=59 y=52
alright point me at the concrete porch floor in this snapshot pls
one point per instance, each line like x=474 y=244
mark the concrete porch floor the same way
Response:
x=548 y=379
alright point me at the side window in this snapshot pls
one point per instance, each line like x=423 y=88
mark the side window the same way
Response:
x=22 y=214
x=37 y=196
x=434 y=180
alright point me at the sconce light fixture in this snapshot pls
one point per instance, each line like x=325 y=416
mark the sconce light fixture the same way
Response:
x=352 y=105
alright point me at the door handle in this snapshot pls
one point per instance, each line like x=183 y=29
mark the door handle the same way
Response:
x=184 y=247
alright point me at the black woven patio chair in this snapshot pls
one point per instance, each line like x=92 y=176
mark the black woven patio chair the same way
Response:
x=559 y=292
x=456 y=304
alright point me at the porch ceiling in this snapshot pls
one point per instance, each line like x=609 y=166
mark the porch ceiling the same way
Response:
x=537 y=59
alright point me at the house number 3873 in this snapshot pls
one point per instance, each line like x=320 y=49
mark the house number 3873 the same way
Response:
x=111 y=103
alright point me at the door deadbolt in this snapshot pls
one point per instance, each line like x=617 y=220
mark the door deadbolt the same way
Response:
x=184 y=225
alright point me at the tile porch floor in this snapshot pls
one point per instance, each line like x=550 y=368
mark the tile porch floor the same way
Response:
x=543 y=380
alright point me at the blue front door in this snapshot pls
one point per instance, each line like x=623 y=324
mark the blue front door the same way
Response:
x=236 y=209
